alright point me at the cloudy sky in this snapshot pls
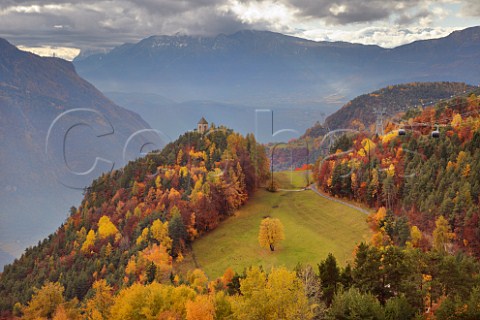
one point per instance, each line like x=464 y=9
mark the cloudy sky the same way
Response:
x=65 y=27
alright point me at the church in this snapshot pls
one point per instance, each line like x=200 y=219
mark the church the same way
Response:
x=202 y=125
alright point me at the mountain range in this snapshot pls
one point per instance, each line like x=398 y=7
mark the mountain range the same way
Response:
x=261 y=69
x=172 y=81
x=53 y=125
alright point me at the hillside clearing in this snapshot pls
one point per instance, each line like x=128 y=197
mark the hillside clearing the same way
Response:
x=314 y=226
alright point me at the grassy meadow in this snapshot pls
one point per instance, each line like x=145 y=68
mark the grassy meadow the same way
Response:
x=314 y=226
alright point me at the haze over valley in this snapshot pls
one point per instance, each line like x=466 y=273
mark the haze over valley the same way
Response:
x=224 y=159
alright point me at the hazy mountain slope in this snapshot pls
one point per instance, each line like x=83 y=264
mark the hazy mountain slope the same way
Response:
x=248 y=67
x=393 y=99
x=34 y=91
x=263 y=68
x=173 y=118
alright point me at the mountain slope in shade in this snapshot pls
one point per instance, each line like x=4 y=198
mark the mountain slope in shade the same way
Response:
x=264 y=68
x=34 y=91
x=393 y=99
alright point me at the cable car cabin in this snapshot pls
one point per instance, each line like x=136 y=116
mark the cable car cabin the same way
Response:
x=435 y=134
x=401 y=132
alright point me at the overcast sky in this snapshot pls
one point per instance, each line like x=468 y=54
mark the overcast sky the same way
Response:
x=65 y=27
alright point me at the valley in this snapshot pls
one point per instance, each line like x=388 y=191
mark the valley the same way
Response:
x=284 y=178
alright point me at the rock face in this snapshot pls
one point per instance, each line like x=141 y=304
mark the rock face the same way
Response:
x=35 y=186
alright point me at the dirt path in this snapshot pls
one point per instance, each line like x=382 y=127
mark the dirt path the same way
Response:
x=314 y=188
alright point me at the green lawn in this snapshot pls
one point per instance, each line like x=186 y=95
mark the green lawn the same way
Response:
x=293 y=179
x=314 y=226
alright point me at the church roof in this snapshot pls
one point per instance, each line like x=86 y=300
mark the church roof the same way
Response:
x=202 y=121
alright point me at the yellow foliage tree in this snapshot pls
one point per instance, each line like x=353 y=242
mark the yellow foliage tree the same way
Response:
x=457 y=120
x=173 y=195
x=144 y=236
x=159 y=232
x=131 y=267
x=89 y=241
x=198 y=280
x=98 y=307
x=281 y=295
x=466 y=170
x=158 y=182
x=183 y=171
x=375 y=219
x=106 y=228
x=368 y=145
x=68 y=311
x=389 y=137
x=60 y=313
x=153 y=301
x=159 y=256
x=137 y=211
x=271 y=233
x=415 y=237
x=108 y=249
x=44 y=302
x=202 y=308
x=462 y=156
x=442 y=234
x=380 y=238
x=390 y=170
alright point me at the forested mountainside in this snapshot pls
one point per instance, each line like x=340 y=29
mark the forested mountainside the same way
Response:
x=359 y=112
x=116 y=256
x=134 y=222
x=34 y=91
x=416 y=179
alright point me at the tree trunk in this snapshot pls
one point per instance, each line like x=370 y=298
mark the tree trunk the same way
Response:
x=272 y=248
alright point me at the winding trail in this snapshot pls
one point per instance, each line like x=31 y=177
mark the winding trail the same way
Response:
x=314 y=188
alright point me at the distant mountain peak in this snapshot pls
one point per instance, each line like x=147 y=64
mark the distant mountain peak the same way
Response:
x=7 y=50
x=261 y=68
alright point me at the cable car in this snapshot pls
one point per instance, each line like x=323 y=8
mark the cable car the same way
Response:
x=436 y=133
x=401 y=132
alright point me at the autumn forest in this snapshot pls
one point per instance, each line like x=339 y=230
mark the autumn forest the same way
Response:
x=121 y=252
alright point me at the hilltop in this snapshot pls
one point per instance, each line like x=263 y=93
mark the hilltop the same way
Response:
x=359 y=112
x=133 y=223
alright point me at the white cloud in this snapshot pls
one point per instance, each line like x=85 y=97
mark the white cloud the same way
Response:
x=102 y=24
x=254 y=12
x=261 y=14
x=386 y=37
x=49 y=51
